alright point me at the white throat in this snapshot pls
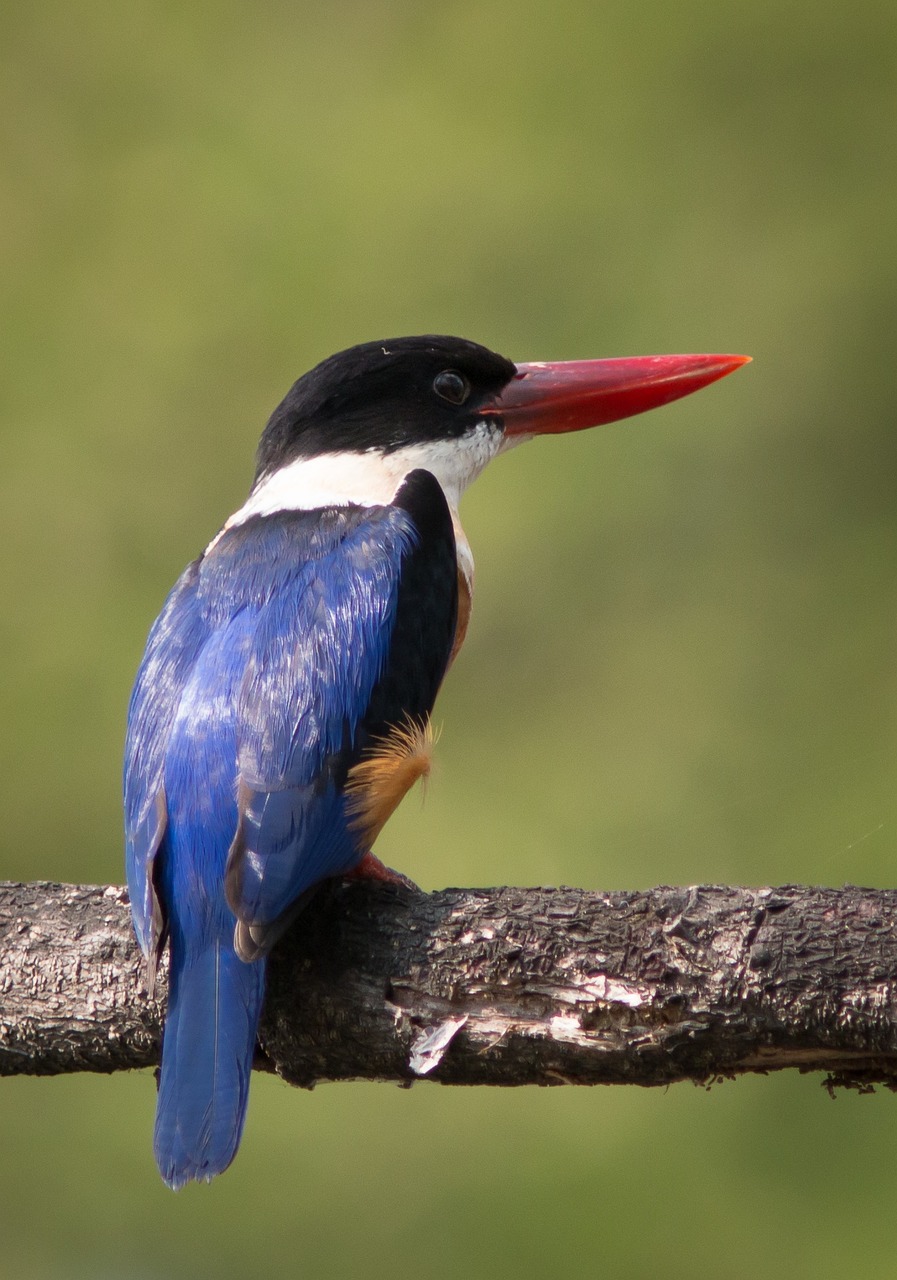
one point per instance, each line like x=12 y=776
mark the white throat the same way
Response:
x=373 y=478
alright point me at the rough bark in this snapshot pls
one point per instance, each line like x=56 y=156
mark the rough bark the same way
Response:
x=498 y=986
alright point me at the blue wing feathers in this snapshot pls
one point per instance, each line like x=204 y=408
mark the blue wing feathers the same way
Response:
x=174 y=642
x=252 y=702
x=300 y=705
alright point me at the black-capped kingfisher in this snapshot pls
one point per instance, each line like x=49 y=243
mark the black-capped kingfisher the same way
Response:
x=282 y=707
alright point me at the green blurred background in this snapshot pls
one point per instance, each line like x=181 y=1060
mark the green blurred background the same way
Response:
x=681 y=665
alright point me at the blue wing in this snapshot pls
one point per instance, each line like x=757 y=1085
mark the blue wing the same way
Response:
x=297 y=638
x=375 y=624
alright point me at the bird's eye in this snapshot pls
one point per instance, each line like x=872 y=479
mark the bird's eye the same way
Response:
x=451 y=386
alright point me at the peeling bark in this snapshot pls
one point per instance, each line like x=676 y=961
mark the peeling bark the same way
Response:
x=498 y=986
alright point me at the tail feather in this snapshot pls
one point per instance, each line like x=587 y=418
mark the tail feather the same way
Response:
x=214 y=1004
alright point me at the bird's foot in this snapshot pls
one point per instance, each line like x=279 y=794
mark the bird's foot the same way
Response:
x=371 y=868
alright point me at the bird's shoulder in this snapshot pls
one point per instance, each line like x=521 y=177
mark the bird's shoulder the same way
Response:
x=250 y=560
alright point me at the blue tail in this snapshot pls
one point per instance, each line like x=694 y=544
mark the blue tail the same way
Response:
x=214 y=1004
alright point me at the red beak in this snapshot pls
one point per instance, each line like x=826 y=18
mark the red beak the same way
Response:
x=570 y=395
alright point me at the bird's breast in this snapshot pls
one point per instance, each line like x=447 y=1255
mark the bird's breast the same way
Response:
x=465 y=584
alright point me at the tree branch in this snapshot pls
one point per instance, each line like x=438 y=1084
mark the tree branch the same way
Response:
x=499 y=986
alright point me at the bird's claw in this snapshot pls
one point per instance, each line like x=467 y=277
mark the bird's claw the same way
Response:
x=371 y=868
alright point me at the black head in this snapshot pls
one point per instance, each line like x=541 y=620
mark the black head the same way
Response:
x=383 y=396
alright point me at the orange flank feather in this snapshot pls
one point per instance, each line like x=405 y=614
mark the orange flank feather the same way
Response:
x=378 y=783
x=464 y=602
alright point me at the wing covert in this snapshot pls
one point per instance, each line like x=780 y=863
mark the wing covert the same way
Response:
x=357 y=645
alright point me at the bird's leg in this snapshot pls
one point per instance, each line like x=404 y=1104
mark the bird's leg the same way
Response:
x=371 y=868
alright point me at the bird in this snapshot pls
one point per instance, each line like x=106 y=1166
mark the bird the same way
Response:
x=282 y=708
